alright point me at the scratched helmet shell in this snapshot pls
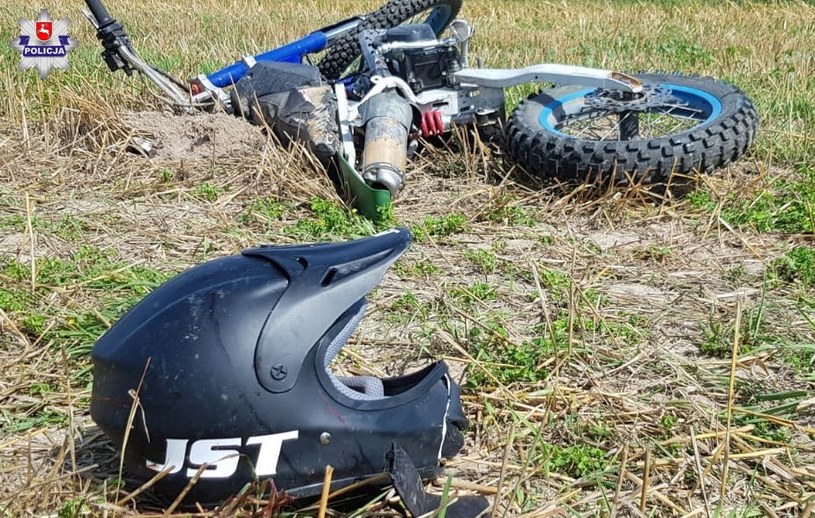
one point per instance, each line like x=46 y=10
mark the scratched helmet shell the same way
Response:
x=230 y=363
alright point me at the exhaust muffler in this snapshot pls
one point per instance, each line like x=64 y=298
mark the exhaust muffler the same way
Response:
x=387 y=119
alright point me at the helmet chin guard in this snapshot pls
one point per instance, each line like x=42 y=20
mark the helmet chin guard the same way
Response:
x=236 y=387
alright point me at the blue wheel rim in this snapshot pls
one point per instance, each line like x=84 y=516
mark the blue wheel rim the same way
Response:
x=696 y=105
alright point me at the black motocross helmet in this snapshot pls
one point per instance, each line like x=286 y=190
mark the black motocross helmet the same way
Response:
x=230 y=364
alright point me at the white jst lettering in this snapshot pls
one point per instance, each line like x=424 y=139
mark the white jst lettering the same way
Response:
x=222 y=462
x=222 y=455
x=269 y=454
x=176 y=449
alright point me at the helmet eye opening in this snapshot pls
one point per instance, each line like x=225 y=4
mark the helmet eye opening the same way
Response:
x=365 y=388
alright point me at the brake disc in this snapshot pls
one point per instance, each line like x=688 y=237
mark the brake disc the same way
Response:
x=651 y=96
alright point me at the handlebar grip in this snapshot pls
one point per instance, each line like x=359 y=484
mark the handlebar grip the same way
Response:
x=99 y=12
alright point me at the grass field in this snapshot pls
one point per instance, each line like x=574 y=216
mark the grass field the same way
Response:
x=621 y=353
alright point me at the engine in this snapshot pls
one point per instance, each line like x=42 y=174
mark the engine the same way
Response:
x=412 y=57
x=413 y=53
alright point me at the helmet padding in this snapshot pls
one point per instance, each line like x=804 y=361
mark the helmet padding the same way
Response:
x=363 y=388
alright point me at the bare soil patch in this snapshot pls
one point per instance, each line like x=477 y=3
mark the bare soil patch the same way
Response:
x=195 y=136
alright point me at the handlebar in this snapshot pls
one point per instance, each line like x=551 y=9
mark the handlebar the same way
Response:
x=100 y=12
x=118 y=54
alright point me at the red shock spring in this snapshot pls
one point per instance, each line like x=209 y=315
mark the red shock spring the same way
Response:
x=432 y=123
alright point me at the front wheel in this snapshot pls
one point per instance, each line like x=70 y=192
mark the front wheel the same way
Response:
x=676 y=125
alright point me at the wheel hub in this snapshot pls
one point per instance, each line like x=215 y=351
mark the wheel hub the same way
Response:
x=651 y=97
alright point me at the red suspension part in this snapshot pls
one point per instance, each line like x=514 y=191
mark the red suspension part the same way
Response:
x=432 y=123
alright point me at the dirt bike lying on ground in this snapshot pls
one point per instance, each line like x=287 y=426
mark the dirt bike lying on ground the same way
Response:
x=390 y=77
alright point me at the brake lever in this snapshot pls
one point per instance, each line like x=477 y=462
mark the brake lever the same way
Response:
x=119 y=54
x=112 y=37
